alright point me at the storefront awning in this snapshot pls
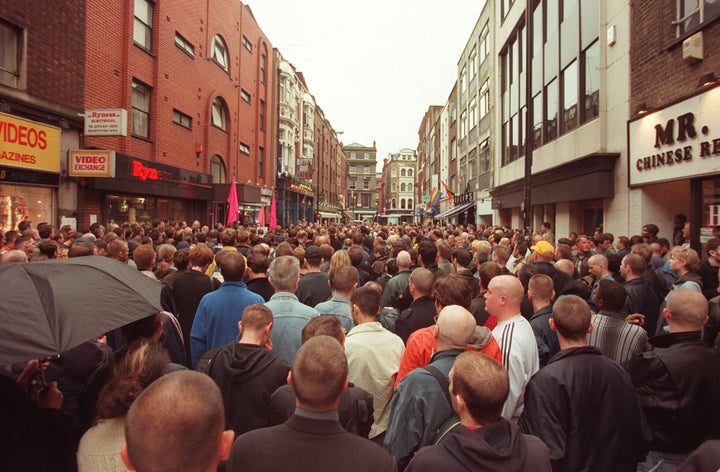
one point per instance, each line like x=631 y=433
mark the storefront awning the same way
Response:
x=348 y=215
x=329 y=216
x=454 y=210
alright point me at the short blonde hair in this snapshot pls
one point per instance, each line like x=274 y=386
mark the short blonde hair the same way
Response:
x=688 y=256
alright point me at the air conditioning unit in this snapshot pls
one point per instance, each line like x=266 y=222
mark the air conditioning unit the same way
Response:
x=692 y=49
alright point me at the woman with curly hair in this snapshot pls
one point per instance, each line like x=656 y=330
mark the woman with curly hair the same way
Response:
x=132 y=371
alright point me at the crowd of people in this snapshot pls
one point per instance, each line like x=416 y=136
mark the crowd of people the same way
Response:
x=374 y=347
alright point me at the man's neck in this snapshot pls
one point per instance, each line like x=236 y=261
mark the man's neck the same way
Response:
x=570 y=343
x=540 y=304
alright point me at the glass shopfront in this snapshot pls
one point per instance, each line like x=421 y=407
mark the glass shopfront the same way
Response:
x=134 y=209
x=20 y=203
x=710 y=208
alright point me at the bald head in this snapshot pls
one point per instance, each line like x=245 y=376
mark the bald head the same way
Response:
x=687 y=310
x=177 y=424
x=504 y=297
x=565 y=265
x=455 y=328
x=404 y=261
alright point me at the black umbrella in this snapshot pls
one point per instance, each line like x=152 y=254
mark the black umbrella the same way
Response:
x=48 y=307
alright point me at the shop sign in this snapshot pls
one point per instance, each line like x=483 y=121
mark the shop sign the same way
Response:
x=91 y=163
x=464 y=198
x=28 y=144
x=109 y=122
x=677 y=142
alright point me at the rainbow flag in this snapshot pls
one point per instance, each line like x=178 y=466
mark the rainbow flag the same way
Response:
x=450 y=195
x=435 y=197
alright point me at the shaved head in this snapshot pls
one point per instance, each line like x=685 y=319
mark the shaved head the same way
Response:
x=176 y=424
x=455 y=327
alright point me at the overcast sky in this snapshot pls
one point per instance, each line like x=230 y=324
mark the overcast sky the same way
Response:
x=373 y=66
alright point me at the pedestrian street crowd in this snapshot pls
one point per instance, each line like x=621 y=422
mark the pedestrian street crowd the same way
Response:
x=358 y=347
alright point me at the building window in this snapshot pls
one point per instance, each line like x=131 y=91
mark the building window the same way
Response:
x=409 y=187
x=463 y=124
x=140 y=109
x=484 y=43
x=366 y=185
x=353 y=170
x=484 y=160
x=219 y=52
x=217 y=169
x=484 y=99
x=463 y=80
x=570 y=97
x=472 y=63
x=263 y=66
x=693 y=13
x=402 y=203
x=366 y=169
x=512 y=85
x=410 y=172
x=244 y=148
x=394 y=187
x=142 y=32
x=261 y=115
x=393 y=172
x=11 y=47
x=403 y=172
x=219 y=114
x=246 y=42
x=261 y=162
x=591 y=80
x=365 y=200
x=402 y=187
x=472 y=113
x=393 y=204
x=184 y=44
x=182 y=119
x=245 y=95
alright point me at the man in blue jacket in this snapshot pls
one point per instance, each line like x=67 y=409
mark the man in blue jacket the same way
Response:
x=217 y=316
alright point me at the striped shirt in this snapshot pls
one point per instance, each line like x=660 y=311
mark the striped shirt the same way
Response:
x=616 y=338
x=520 y=357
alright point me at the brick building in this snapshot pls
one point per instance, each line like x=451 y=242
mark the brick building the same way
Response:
x=674 y=127
x=195 y=80
x=42 y=67
x=361 y=190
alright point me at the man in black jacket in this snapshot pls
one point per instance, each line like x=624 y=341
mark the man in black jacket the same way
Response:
x=597 y=424
x=421 y=312
x=248 y=372
x=678 y=381
x=641 y=298
x=312 y=439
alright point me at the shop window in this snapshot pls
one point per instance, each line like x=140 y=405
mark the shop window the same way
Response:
x=219 y=114
x=142 y=32
x=19 y=203
x=217 y=169
x=710 y=225
x=219 y=52
x=140 y=109
x=11 y=53
x=184 y=44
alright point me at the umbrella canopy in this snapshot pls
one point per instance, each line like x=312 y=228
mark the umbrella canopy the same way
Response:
x=51 y=306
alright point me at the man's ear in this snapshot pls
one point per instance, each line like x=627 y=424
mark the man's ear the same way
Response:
x=240 y=326
x=590 y=328
x=226 y=442
x=551 y=322
x=345 y=385
x=268 y=328
x=125 y=458
x=289 y=378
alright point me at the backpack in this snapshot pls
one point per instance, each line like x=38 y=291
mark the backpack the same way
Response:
x=207 y=361
x=453 y=422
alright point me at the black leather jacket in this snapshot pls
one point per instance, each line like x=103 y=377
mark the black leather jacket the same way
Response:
x=678 y=385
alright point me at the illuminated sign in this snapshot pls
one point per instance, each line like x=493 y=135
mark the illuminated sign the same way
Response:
x=28 y=144
x=143 y=172
x=91 y=163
